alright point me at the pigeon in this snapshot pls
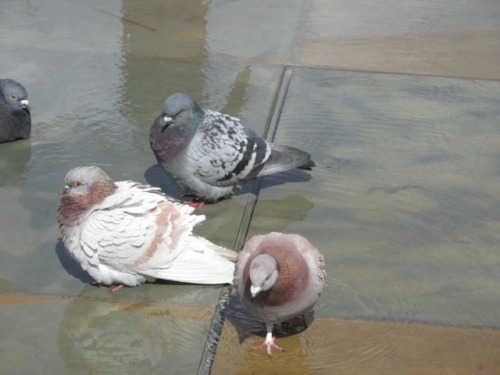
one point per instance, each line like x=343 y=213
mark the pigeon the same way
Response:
x=125 y=233
x=15 y=117
x=277 y=277
x=208 y=153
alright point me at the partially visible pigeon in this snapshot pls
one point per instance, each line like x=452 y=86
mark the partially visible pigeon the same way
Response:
x=208 y=153
x=15 y=118
x=278 y=276
x=125 y=233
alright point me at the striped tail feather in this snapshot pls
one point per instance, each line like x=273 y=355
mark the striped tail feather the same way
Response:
x=284 y=158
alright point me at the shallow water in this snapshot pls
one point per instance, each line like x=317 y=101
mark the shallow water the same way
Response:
x=403 y=202
x=411 y=208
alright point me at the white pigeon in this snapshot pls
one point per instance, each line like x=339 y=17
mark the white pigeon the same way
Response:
x=125 y=233
x=208 y=153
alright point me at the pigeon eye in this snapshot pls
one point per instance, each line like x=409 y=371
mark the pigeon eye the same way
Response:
x=13 y=97
x=179 y=113
x=78 y=183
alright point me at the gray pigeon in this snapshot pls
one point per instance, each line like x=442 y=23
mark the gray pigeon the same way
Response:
x=278 y=276
x=125 y=233
x=208 y=153
x=15 y=118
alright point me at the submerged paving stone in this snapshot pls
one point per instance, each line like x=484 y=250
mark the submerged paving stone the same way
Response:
x=402 y=205
x=360 y=347
x=114 y=337
x=86 y=335
x=420 y=37
x=102 y=121
x=403 y=201
x=30 y=326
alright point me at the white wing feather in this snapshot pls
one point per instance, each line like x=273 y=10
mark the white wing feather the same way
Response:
x=139 y=233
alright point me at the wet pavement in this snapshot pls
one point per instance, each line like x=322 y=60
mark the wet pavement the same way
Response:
x=398 y=102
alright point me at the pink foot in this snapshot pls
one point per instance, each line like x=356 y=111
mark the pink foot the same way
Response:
x=268 y=344
x=116 y=288
x=196 y=204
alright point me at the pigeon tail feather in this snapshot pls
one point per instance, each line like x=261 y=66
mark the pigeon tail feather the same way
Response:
x=222 y=251
x=284 y=158
x=205 y=265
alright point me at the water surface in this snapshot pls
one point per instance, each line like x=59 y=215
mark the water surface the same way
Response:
x=403 y=202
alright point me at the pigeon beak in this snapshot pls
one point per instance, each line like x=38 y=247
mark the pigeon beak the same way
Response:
x=25 y=104
x=166 y=122
x=254 y=290
x=65 y=190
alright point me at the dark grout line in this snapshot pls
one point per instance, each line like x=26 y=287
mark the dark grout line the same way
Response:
x=269 y=134
x=215 y=331
x=395 y=72
x=279 y=102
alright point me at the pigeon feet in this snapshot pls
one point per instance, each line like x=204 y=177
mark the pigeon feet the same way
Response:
x=196 y=204
x=268 y=344
x=116 y=288
x=113 y=288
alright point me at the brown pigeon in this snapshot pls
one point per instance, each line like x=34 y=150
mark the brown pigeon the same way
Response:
x=278 y=276
x=125 y=233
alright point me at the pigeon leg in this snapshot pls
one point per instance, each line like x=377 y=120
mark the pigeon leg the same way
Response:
x=196 y=204
x=193 y=201
x=116 y=288
x=304 y=319
x=291 y=322
x=269 y=342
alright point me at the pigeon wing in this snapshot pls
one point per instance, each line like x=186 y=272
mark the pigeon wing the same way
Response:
x=114 y=238
x=119 y=230
x=225 y=151
x=143 y=232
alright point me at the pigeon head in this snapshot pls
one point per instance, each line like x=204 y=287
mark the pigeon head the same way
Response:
x=263 y=273
x=86 y=180
x=182 y=113
x=14 y=94
x=85 y=187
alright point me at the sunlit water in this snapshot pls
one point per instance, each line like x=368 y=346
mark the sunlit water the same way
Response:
x=404 y=205
x=403 y=202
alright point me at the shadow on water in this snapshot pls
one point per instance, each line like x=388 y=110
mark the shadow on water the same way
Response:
x=156 y=176
x=246 y=326
x=70 y=265
x=294 y=175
